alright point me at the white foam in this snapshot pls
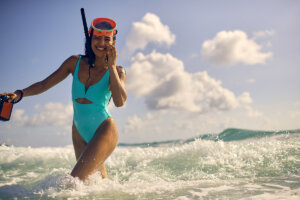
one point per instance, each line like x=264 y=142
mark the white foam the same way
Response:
x=200 y=169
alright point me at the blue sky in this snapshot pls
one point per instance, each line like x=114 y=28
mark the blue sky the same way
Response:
x=193 y=67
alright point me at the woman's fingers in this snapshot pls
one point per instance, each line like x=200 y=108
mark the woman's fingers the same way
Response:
x=112 y=54
x=10 y=96
x=7 y=94
x=111 y=50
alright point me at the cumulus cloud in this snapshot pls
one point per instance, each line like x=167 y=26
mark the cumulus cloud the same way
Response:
x=169 y=125
x=141 y=129
x=136 y=124
x=18 y=116
x=52 y=114
x=252 y=113
x=150 y=29
x=232 y=47
x=153 y=126
x=161 y=79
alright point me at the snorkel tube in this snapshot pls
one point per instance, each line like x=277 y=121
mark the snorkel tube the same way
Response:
x=88 y=39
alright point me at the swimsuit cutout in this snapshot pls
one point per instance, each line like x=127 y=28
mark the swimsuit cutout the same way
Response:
x=88 y=117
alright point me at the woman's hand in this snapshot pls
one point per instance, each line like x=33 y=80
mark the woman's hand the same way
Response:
x=117 y=77
x=11 y=96
x=112 y=55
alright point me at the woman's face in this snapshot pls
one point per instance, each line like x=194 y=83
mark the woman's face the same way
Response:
x=99 y=44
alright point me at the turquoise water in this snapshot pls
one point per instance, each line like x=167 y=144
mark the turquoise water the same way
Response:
x=235 y=164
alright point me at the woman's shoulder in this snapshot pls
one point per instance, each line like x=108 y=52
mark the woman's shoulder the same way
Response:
x=70 y=63
x=75 y=58
x=72 y=59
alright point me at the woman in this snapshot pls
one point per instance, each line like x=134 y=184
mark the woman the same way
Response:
x=94 y=131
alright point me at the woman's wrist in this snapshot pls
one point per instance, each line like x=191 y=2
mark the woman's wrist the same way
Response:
x=20 y=94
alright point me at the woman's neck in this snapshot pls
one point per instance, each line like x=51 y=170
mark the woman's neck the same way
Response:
x=100 y=63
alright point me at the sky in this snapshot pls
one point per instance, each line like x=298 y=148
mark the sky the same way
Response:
x=193 y=67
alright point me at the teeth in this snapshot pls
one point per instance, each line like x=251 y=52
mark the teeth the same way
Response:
x=100 y=48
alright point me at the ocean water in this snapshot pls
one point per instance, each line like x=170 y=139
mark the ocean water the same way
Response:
x=235 y=164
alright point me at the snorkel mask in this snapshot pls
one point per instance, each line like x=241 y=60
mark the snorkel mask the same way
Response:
x=103 y=27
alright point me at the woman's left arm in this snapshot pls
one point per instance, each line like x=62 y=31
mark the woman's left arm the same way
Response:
x=117 y=78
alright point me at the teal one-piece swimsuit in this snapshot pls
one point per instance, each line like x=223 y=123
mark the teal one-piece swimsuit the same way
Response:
x=88 y=117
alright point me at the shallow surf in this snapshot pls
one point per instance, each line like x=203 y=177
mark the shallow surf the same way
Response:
x=253 y=167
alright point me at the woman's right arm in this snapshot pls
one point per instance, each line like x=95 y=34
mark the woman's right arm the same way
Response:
x=60 y=74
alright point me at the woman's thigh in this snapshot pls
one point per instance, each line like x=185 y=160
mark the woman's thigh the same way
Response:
x=104 y=141
x=78 y=142
x=97 y=150
x=107 y=132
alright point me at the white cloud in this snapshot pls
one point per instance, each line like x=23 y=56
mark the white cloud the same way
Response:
x=251 y=80
x=161 y=79
x=232 y=47
x=150 y=29
x=294 y=114
x=170 y=125
x=52 y=114
x=253 y=113
x=262 y=34
x=149 y=69
x=18 y=116
x=136 y=124
x=245 y=98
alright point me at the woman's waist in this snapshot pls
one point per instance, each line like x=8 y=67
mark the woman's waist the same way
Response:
x=101 y=101
x=89 y=108
x=88 y=99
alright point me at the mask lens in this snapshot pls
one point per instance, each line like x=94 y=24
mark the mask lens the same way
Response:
x=104 y=26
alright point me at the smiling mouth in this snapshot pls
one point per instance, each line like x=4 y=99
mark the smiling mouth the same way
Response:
x=101 y=48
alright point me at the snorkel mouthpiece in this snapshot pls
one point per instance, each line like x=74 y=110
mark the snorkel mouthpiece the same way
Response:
x=103 y=27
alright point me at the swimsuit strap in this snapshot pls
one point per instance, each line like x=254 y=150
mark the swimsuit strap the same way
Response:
x=77 y=68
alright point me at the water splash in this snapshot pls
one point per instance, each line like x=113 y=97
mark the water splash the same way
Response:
x=258 y=168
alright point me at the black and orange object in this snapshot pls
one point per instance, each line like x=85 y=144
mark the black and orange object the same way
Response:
x=6 y=107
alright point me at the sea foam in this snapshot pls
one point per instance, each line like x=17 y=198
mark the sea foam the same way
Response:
x=256 y=168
